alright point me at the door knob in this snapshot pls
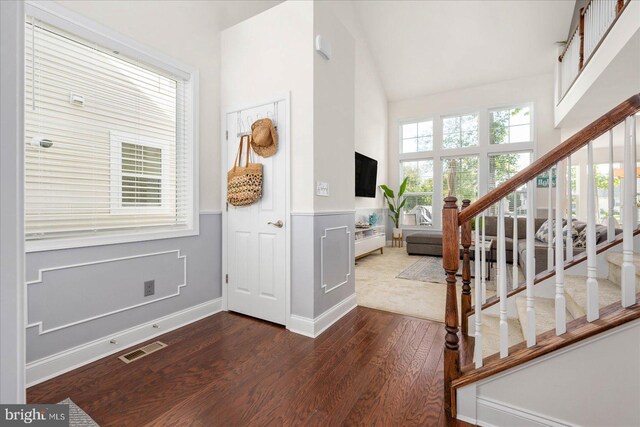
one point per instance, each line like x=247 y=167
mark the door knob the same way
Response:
x=278 y=223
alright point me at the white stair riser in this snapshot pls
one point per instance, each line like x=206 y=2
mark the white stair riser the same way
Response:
x=615 y=274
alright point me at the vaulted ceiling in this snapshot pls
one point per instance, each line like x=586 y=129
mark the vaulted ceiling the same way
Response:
x=424 y=47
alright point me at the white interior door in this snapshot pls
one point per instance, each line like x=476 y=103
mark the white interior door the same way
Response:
x=256 y=234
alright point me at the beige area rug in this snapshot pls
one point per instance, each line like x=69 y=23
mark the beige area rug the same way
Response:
x=429 y=269
x=377 y=286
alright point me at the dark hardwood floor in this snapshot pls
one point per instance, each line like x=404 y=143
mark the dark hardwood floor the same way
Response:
x=370 y=368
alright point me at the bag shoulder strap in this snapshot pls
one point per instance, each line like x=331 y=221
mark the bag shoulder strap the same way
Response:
x=238 y=160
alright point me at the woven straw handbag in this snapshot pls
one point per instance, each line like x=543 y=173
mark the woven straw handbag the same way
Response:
x=244 y=183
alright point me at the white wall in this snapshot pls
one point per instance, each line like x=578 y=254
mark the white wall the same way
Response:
x=12 y=292
x=370 y=101
x=536 y=89
x=269 y=55
x=190 y=34
x=593 y=383
x=333 y=113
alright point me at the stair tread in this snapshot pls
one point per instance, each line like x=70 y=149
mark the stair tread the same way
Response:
x=545 y=309
x=491 y=333
x=576 y=288
x=616 y=258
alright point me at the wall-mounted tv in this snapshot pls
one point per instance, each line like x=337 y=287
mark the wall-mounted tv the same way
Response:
x=366 y=173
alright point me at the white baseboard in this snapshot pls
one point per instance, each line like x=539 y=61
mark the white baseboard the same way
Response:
x=314 y=327
x=65 y=361
x=493 y=413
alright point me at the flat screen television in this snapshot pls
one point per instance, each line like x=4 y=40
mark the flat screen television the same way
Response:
x=366 y=173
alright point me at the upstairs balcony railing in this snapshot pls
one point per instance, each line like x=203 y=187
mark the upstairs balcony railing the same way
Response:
x=596 y=20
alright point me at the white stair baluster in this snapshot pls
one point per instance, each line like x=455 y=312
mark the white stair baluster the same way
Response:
x=549 y=217
x=502 y=283
x=611 y=222
x=569 y=242
x=560 y=303
x=531 y=268
x=634 y=148
x=628 y=274
x=484 y=263
x=477 y=294
x=514 y=281
x=593 y=310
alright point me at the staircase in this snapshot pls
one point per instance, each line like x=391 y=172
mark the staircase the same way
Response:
x=576 y=305
x=579 y=296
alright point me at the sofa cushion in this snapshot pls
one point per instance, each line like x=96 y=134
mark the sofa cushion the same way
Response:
x=432 y=238
x=492 y=226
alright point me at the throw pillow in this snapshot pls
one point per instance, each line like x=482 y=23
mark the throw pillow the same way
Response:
x=543 y=232
x=565 y=233
x=581 y=240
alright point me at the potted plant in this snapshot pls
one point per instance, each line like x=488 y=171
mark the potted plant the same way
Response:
x=394 y=207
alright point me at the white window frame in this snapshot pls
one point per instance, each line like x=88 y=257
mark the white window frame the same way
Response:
x=483 y=150
x=116 y=139
x=74 y=23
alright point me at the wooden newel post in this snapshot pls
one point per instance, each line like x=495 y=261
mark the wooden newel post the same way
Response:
x=450 y=262
x=465 y=298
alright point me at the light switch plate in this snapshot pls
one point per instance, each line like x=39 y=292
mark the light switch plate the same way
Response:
x=322 y=189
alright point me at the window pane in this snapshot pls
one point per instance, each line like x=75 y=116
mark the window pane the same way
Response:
x=409 y=145
x=501 y=168
x=409 y=130
x=418 y=210
x=419 y=176
x=451 y=140
x=425 y=136
x=450 y=125
x=510 y=125
x=460 y=131
x=461 y=177
x=417 y=137
x=520 y=116
x=521 y=133
x=425 y=143
x=425 y=128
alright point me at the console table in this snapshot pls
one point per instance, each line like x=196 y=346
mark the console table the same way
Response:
x=369 y=239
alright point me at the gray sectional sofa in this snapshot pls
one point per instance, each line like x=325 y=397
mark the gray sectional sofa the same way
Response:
x=430 y=242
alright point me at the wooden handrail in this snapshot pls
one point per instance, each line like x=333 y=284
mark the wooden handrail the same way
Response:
x=600 y=126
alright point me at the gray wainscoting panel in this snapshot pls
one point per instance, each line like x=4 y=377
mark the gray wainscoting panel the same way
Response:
x=80 y=295
x=88 y=288
x=335 y=257
x=302 y=265
x=334 y=276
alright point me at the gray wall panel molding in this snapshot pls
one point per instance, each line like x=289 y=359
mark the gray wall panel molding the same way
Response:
x=336 y=263
x=86 y=279
x=335 y=256
x=203 y=283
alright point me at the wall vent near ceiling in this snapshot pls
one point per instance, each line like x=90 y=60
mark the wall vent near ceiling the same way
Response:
x=142 y=352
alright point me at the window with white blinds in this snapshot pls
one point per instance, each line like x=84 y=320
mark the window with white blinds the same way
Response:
x=119 y=161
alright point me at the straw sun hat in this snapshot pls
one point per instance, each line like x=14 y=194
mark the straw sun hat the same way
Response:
x=264 y=138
